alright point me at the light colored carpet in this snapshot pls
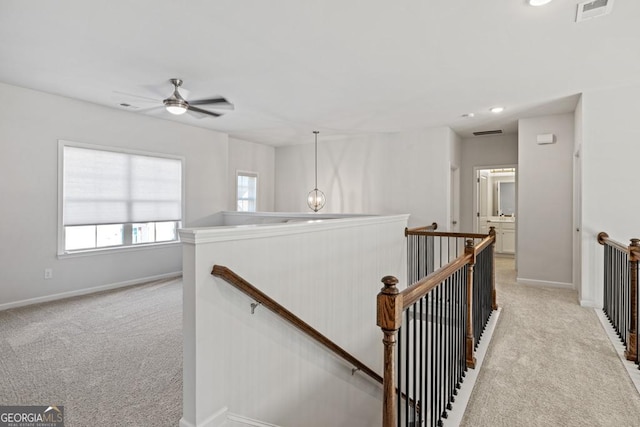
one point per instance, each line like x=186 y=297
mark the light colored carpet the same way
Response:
x=549 y=363
x=115 y=359
x=111 y=359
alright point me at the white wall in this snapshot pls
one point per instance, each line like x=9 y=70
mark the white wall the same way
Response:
x=257 y=365
x=455 y=165
x=492 y=150
x=30 y=126
x=577 y=200
x=250 y=157
x=378 y=174
x=610 y=191
x=545 y=202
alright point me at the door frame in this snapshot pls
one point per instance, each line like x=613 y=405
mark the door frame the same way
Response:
x=475 y=206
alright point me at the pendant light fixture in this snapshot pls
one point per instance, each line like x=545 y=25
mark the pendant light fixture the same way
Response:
x=316 y=198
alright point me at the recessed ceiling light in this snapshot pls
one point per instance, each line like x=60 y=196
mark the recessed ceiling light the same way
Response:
x=468 y=115
x=497 y=110
x=539 y=2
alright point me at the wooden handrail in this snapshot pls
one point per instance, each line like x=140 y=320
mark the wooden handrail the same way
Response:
x=446 y=234
x=431 y=227
x=603 y=239
x=422 y=287
x=419 y=289
x=238 y=282
x=488 y=240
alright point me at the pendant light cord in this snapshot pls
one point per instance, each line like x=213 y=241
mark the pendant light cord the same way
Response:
x=316 y=133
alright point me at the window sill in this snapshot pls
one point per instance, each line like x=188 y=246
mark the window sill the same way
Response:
x=117 y=249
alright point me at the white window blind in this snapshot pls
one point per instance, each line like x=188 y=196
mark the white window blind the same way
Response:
x=107 y=187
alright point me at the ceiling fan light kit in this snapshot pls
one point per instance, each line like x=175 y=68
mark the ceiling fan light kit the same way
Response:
x=177 y=105
x=539 y=2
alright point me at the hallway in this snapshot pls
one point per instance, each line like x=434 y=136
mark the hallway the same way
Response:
x=550 y=363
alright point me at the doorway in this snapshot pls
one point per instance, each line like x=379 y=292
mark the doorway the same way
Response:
x=495 y=202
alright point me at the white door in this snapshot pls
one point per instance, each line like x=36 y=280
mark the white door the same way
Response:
x=482 y=208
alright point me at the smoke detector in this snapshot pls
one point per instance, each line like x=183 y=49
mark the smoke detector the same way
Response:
x=593 y=9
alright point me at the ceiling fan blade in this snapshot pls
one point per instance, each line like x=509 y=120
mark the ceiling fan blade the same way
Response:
x=218 y=102
x=131 y=95
x=201 y=111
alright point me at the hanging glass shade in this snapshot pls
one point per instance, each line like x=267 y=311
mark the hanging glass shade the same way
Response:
x=316 y=198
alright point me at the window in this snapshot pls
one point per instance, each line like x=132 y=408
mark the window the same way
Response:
x=115 y=198
x=247 y=186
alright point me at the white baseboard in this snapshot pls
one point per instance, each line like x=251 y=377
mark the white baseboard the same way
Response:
x=217 y=419
x=464 y=394
x=589 y=303
x=220 y=418
x=632 y=369
x=544 y=283
x=86 y=291
x=248 y=421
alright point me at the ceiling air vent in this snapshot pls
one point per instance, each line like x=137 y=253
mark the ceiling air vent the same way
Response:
x=487 y=132
x=593 y=9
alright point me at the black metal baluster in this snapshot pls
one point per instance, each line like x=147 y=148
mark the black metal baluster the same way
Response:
x=605 y=299
x=414 y=393
x=450 y=342
x=399 y=379
x=432 y=372
x=407 y=368
x=440 y=355
x=420 y=398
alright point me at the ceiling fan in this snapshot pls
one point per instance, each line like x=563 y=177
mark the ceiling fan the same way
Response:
x=177 y=104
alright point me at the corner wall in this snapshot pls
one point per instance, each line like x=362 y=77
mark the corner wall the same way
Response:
x=545 y=202
x=610 y=191
x=375 y=174
x=30 y=127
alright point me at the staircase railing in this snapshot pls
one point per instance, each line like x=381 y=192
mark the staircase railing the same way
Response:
x=263 y=299
x=431 y=328
x=620 y=299
x=428 y=249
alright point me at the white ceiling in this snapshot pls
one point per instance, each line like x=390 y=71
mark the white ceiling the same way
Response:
x=339 y=66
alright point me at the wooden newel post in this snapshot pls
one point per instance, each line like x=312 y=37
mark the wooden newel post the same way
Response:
x=634 y=256
x=469 y=249
x=389 y=319
x=494 y=303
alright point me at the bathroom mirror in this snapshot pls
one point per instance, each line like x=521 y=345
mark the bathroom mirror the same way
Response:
x=506 y=198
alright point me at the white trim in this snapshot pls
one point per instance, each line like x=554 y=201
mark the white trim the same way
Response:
x=86 y=291
x=116 y=249
x=248 y=174
x=314 y=224
x=544 y=283
x=630 y=366
x=589 y=303
x=464 y=394
x=184 y=423
x=65 y=143
x=248 y=421
x=217 y=419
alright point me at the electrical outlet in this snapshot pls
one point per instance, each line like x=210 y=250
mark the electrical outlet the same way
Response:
x=48 y=273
